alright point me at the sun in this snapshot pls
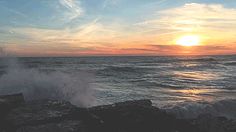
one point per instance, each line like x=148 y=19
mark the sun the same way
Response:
x=188 y=40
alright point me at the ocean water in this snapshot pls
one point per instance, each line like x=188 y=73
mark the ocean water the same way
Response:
x=185 y=85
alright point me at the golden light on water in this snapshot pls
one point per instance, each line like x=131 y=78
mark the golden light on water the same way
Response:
x=194 y=91
x=196 y=94
x=197 y=75
x=188 y=40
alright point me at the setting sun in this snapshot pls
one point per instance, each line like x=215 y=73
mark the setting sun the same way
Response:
x=190 y=40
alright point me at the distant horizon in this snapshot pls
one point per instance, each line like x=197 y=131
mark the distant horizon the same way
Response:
x=113 y=56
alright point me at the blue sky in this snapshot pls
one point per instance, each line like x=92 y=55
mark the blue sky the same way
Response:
x=94 y=24
x=49 y=13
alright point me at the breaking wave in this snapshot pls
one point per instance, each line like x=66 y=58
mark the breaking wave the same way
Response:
x=225 y=108
x=36 y=85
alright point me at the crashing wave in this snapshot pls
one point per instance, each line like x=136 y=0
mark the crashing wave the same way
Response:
x=225 y=108
x=36 y=85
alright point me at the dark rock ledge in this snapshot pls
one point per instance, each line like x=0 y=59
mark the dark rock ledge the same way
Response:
x=16 y=115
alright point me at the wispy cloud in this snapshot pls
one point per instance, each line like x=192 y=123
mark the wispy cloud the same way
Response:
x=207 y=20
x=93 y=34
x=194 y=17
x=73 y=6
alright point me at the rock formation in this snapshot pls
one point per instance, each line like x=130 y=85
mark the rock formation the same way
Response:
x=16 y=115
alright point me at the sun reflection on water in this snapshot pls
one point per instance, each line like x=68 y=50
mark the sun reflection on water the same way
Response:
x=196 y=75
x=193 y=91
x=196 y=94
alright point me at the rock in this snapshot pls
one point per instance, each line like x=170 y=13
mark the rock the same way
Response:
x=7 y=103
x=39 y=113
x=135 y=116
x=12 y=99
x=144 y=102
x=63 y=126
x=129 y=116
x=209 y=123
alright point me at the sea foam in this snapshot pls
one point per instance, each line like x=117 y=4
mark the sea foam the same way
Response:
x=225 y=108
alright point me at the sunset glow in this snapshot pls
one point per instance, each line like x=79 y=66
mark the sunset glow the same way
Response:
x=112 y=27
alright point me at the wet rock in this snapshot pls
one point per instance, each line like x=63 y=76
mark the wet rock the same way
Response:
x=63 y=126
x=7 y=103
x=135 y=116
x=41 y=113
x=12 y=99
x=129 y=116
x=209 y=123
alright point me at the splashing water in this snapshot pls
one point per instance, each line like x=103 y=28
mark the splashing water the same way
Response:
x=36 y=85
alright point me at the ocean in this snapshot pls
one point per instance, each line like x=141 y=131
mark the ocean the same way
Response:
x=185 y=85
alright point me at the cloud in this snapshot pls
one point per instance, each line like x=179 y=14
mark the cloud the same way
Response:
x=155 y=49
x=193 y=17
x=73 y=7
x=93 y=37
x=208 y=21
x=196 y=50
x=194 y=14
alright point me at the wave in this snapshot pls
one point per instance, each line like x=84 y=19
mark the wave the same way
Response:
x=204 y=59
x=122 y=69
x=226 y=108
x=232 y=63
x=36 y=85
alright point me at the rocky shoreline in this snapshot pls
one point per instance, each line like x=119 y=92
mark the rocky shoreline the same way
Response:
x=16 y=115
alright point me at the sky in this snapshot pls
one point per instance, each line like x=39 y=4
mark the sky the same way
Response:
x=117 y=27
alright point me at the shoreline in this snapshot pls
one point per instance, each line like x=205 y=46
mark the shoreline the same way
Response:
x=130 y=116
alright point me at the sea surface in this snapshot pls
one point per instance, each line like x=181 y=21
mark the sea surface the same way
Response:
x=186 y=85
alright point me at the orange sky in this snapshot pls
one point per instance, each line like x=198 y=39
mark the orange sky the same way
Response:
x=151 y=32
